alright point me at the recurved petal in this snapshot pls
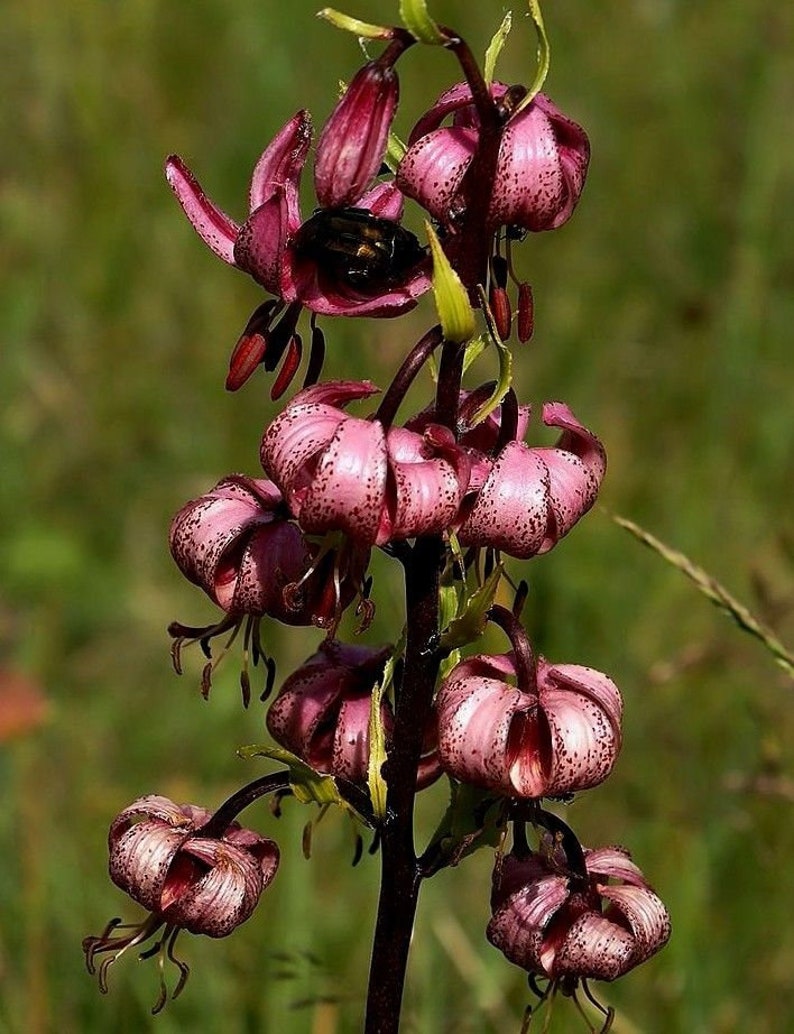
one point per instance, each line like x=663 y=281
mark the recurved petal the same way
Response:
x=427 y=487
x=205 y=530
x=282 y=161
x=576 y=467
x=583 y=710
x=511 y=511
x=433 y=167
x=253 y=581
x=215 y=228
x=261 y=247
x=594 y=947
x=475 y=715
x=614 y=863
x=347 y=490
x=224 y=897
x=141 y=857
x=457 y=96
x=646 y=915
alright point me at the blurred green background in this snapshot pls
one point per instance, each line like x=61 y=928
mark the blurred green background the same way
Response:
x=664 y=315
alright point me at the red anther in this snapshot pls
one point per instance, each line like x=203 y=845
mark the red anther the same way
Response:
x=288 y=367
x=526 y=312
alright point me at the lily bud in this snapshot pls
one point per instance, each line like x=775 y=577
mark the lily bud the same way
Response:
x=353 y=141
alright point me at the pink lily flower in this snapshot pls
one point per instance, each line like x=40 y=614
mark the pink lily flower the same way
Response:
x=558 y=736
x=533 y=496
x=540 y=172
x=238 y=544
x=322 y=712
x=558 y=926
x=342 y=473
x=269 y=244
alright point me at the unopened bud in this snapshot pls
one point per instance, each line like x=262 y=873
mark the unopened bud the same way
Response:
x=353 y=141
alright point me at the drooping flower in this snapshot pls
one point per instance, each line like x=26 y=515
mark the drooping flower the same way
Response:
x=185 y=879
x=533 y=496
x=343 y=473
x=555 y=736
x=271 y=244
x=540 y=170
x=558 y=925
x=322 y=712
x=240 y=546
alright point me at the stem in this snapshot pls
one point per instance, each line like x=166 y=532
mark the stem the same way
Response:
x=400 y=875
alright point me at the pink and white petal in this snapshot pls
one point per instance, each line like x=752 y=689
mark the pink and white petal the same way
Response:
x=529 y=755
x=300 y=716
x=576 y=438
x=293 y=443
x=474 y=719
x=351 y=738
x=282 y=161
x=432 y=169
x=202 y=532
x=583 y=747
x=596 y=948
x=573 y=149
x=154 y=807
x=218 y=902
x=140 y=860
x=517 y=927
x=215 y=228
x=527 y=155
x=614 y=863
x=646 y=915
x=348 y=488
x=426 y=498
x=588 y=682
x=511 y=509
x=254 y=581
x=457 y=96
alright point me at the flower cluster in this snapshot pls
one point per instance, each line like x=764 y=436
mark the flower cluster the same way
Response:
x=450 y=492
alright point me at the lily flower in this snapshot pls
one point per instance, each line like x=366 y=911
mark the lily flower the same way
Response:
x=566 y=927
x=540 y=170
x=269 y=244
x=559 y=734
x=342 y=473
x=185 y=880
x=240 y=546
x=533 y=496
x=322 y=712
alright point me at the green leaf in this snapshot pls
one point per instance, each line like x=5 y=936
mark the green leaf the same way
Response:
x=362 y=29
x=377 y=743
x=452 y=300
x=474 y=818
x=495 y=47
x=416 y=18
x=307 y=784
x=470 y=624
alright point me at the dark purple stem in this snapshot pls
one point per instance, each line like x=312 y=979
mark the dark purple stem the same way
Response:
x=406 y=375
x=401 y=874
x=525 y=663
